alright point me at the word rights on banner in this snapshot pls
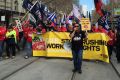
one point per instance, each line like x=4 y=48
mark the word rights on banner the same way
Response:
x=57 y=44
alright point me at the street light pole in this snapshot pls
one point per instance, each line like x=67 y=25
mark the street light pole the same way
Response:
x=5 y=14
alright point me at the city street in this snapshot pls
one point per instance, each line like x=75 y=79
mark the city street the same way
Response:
x=54 y=69
x=59 y=39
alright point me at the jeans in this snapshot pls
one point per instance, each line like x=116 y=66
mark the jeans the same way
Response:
x=23 y=40
x=77 y=59
x=1 y=48
x=28 y=49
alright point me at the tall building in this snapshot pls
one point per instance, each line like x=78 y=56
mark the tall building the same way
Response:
x=84 y=10
x=10 y=9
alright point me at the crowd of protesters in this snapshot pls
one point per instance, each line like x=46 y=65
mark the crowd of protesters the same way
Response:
x=114 y=42
x=11 y=37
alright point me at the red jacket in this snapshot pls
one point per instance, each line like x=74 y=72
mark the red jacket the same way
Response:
x=25 y=31
x=102 y=31
x=29 y=35
x=2 y=33
x=43 y=30
x=58 y=29
x=94 y=30
x=112 y=38
x=63 y=29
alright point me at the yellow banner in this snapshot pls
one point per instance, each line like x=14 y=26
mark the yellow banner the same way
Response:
x=56 y=46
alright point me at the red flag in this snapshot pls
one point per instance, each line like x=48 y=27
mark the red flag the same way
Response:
x=98 y=6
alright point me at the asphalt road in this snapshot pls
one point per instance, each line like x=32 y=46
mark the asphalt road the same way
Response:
x=54 y=69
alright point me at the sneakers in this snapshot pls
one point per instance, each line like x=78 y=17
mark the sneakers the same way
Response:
x=74 y=70
x=6 y=57
x=13 y=57
x=26 y=57
x=79 y=71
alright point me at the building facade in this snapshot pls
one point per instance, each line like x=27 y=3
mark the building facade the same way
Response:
x=10 y=9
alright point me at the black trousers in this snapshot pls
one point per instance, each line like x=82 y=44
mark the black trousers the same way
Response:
x=110 y=49
x=17 y=46
x=118 y=53
x=10 y=48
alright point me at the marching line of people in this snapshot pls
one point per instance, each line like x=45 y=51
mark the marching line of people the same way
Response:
x=12 y=38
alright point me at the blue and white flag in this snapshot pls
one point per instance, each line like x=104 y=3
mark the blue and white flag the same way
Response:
x=36 y=9
x=63 y=20
x=52 y=17
x=27 y=5
x=76 y=12
x=104 y=21
x=69 y=18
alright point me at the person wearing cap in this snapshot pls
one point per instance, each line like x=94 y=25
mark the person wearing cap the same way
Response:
x=77 y=36
x=10 y=42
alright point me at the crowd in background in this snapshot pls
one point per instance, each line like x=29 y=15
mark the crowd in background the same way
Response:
x=10 y=37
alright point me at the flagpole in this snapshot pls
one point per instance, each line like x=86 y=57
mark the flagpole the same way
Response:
x=28 y=11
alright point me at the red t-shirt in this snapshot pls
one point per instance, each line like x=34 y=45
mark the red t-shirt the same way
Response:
x=58 y=29
x=112 y=38
x=43 y=31
x=2 y=33
x=63 y=29
x=29 y=36
x=25 y=30
x=102 y=31
x=94 y=30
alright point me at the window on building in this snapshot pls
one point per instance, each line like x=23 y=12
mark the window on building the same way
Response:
x=16 y=5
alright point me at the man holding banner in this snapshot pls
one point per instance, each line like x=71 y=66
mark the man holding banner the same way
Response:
x=77 y=37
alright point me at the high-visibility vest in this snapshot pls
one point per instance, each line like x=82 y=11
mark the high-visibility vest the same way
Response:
x=13 y=32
